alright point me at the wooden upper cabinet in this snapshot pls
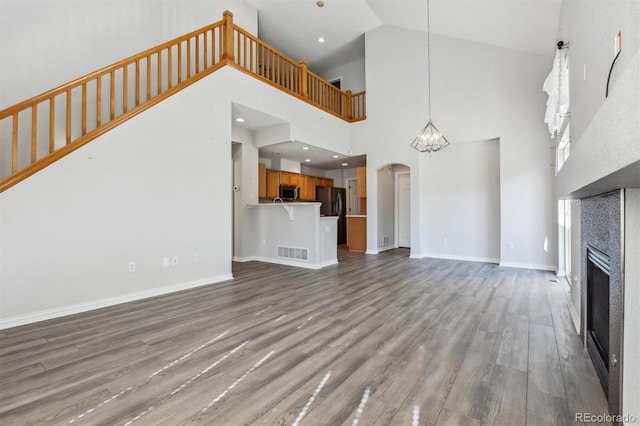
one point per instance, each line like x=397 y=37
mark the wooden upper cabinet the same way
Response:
x=361 y=175
x=272 y=179
x=262 y=180
x=320 y=181
x=310 y=187
x=273 y=183
x=294 y=179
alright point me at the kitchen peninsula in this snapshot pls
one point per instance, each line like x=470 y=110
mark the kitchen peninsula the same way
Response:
x=294 y=234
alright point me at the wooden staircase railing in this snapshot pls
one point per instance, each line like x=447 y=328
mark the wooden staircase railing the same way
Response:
x=45 y=128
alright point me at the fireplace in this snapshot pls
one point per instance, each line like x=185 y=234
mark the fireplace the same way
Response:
x=597 y=327
x=601 y=289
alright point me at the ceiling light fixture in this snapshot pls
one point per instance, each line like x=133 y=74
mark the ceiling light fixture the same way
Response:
x=320 y=39
x=320 y=3
x=307 y=160
x=345 y=164
x=305 y=148
x=429 y=139
x=240 y=120
x=335 y=156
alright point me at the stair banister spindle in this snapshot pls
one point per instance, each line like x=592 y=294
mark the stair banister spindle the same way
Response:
x=112 y=95
x=52 y=124
x=14 y=144
x=84 y=109
x=68 y=141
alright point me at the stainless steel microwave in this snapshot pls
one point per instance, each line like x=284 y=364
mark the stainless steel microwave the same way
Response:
x=289 y=192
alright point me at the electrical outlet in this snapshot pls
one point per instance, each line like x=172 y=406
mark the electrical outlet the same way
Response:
x=617 y=43
x=165 y=262
x=195 y=258
x=132 y=266
x=174 y=260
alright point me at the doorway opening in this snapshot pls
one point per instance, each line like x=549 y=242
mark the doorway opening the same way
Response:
x=336 y=82
x=394 y=207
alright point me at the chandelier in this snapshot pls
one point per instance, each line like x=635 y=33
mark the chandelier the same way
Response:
x=429 y=139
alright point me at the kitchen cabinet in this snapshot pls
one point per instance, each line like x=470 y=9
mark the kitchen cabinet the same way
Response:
x=262 y=180
x=269 y=182
x=309 y=189
x=361 y=176
x=320 y=181
x=294 y=179
x=357 y=233
x=273 y=183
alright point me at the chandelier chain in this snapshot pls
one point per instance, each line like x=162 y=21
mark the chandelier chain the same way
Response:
x=429 y=59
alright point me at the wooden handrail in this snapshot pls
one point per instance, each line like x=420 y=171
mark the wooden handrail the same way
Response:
x=89 y=106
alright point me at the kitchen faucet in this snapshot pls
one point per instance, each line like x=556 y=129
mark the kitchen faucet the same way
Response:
x=278 y=198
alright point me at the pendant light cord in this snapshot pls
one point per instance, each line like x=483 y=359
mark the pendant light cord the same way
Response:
x=429 y=59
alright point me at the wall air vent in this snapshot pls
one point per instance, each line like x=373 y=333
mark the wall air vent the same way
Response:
x=293 y=253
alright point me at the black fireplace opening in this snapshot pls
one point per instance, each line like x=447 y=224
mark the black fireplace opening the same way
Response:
x=598 y=273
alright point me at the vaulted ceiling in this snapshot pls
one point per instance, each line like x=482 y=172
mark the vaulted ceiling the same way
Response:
x=294 y=26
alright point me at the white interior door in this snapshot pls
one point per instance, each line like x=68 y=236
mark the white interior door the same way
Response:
x=353 y=202
x=404 y=210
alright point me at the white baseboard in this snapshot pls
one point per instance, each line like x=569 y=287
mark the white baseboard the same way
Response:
x=465 y=258
x=385 y=248
x=574 y=317
x=551 y=268
x=371 y=252
x=244 y=259
x=287 y=262
x=103 y=303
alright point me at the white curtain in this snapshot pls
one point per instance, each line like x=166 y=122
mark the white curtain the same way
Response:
x=557 y=87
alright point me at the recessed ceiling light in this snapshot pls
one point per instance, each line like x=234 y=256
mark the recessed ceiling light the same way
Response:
x=240 y=120
x=335 y=156
x=275 y=153
x=345 y=164
x=307 y=160
x=306 y=148
x=320 y=39
x=320 y=3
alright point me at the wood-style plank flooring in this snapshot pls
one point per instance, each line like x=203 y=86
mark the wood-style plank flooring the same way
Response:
x=375 y=340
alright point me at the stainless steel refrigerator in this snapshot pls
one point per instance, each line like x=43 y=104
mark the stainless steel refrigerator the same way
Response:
x=334 y=203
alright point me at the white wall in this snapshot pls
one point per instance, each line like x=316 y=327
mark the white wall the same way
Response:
x=54 y=42
x=245 y=180
x=159 y=185
x=479 y=92
x=461 y=201
x=340 y=176
x=352 y=73
x=311 y=171
x=631 y=363
x=590 y=28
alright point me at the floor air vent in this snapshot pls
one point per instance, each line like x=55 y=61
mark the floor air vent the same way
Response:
x=293 y=253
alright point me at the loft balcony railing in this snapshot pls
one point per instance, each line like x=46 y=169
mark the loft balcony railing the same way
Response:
x=45 y=128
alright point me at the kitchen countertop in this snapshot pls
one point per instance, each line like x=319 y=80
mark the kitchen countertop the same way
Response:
x=356 y=215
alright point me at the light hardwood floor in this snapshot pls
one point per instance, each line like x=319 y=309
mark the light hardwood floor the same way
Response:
x=375 y=340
